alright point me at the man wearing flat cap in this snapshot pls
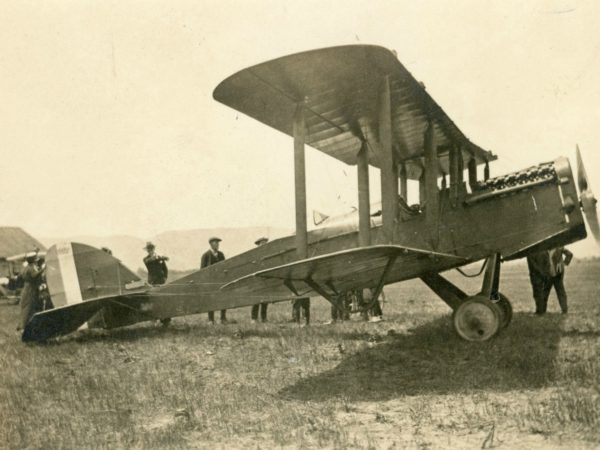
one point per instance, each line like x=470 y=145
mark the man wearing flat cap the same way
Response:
x=262 y=306
x=212 y=256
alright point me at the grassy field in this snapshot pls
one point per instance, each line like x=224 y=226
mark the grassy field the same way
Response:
x=406 y=382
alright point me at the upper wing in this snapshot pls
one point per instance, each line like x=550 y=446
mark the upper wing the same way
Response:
x=339 y=88
x=349 y=269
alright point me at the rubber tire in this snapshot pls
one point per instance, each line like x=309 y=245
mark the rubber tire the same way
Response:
x=504 y=304
x=469 y=327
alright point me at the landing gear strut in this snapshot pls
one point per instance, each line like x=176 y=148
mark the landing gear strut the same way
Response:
x=476 y=317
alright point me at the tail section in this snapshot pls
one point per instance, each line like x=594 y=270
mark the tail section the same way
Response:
x=78 y=272
x=86 y=285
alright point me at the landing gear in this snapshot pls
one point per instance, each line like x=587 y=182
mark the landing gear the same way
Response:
x=477 y=319
x=505 y=307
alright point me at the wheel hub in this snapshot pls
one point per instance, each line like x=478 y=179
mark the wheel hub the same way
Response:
x=477 y=319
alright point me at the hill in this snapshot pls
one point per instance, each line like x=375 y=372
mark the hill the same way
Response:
x=184 y=247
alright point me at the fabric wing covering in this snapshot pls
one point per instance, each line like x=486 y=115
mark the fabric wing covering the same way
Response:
x=340 y=89
x=347 y=269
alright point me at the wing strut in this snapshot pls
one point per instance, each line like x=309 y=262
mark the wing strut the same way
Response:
x=381 y=283
x=299 y=127
x=332 y=298
x=290 y=285
x=322 y=292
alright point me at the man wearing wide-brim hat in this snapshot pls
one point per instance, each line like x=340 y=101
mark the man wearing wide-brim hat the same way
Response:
x=158 y=272
x=213 y=256
x=156 y=265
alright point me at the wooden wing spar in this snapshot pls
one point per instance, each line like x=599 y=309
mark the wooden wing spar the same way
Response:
x=341 y=90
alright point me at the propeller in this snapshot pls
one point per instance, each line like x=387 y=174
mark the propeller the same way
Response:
x=587 y=199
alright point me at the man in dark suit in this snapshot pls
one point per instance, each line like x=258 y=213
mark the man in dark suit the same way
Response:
x=158 y=272
x=156 y=266
x=261 y=306
x=210 y=257
x=299 y=304
x=547 y=270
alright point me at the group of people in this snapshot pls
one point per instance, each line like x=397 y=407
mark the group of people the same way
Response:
x=158 y=273
x=546 y=271
x=34 y=295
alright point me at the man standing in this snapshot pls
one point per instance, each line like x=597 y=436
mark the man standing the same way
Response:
x=304 y=305
x=261 y=306
x=30 y=298
x=547 y=269
x=157 y=270
x=340 y=308
x=376 y=311
x=156 y=266
x=213 y=256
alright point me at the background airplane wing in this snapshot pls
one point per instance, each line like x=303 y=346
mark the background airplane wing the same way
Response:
x=348 y=269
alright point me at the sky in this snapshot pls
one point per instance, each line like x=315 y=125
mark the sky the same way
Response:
x=108 y=126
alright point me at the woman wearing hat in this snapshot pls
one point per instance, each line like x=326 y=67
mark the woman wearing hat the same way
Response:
x=30 y=299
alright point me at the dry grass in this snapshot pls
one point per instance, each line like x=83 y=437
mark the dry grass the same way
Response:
x=406 y=382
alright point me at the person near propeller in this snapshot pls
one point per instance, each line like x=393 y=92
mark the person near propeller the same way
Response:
x=547 y=270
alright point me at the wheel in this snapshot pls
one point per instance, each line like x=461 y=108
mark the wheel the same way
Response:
x=477 y=319
x=507 y=312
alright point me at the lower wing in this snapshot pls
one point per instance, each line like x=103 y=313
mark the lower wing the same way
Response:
x=348 y=269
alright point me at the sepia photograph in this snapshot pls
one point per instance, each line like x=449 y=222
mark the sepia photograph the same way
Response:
x=262 y=224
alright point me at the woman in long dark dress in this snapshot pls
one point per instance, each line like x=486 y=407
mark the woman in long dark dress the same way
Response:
x=30 y=295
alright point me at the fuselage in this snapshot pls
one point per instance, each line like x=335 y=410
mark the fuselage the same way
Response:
x=511 y=215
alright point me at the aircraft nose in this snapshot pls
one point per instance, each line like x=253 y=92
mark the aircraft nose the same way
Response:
x=587 y=199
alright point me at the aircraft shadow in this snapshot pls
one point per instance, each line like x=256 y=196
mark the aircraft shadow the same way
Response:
x=434 y=360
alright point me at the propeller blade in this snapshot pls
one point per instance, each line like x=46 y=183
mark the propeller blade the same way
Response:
x=582 y=179
x=587 y=199
x=588 y=203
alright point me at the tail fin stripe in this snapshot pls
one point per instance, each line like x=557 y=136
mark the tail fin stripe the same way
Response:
x=68 y=272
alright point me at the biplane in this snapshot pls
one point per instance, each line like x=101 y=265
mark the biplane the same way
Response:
x=361 y=106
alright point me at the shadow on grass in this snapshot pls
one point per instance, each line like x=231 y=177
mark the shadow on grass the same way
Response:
x=273 y=330
x=434 y=360
x=153 y=330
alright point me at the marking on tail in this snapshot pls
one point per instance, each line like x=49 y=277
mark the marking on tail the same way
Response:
x=68 y=274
